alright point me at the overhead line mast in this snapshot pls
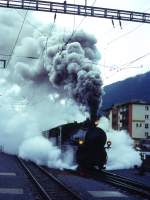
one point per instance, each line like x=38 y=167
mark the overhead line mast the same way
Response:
x=74 y=9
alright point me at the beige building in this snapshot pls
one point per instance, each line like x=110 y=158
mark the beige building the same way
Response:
x=132 y=116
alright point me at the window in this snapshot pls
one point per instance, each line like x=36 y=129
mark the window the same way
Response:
x=146 y=125
x=146 y=107
x=146 y=134
x=146 y=116
x=140 y=124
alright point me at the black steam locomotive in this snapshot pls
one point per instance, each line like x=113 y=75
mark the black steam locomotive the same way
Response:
x=75 y=135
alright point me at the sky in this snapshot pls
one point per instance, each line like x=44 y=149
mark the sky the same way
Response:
x=124 y=51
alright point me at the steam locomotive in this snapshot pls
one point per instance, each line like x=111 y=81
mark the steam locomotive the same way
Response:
x=73 y=134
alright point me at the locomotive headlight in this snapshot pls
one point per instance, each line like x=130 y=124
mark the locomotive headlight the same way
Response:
x=108 y=144
x=81 y=142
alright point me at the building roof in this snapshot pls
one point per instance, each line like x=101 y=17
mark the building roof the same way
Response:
x=133 y=101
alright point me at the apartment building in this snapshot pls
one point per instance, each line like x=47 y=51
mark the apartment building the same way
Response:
x=132 y=116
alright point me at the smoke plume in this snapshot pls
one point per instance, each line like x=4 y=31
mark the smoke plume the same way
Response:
x=65 y=65
x=73 y=70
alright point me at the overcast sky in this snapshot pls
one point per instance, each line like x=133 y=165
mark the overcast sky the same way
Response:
x=124 y=50
x=118 y=46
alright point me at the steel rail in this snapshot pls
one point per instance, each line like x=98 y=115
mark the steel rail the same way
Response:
x=119 y=181
x=123 y=182
x=126 y=180
x=60 y=183
x=44 y=192
x=74 y=9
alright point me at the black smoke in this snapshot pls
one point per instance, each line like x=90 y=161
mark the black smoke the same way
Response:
x=74 y=71
x=68 y=64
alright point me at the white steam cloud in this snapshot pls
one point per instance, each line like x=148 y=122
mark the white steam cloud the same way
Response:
x=122 y=154
x=41 y=151
x=29 y=103
x=56 y=88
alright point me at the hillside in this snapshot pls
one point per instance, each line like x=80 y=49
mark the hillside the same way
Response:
x=135 y=88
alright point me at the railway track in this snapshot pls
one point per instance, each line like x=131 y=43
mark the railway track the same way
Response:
x=127 y=184
x=49 y=187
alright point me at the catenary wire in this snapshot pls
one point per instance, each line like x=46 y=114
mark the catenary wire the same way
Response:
x=29 y=22
x=114 y=26
x=46 y=42
x=136 y=59
x=12 y=52
x=125 y=34
x=75 y=30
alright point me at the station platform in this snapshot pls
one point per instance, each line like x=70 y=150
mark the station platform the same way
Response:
x=95 y=190
x=15 y=185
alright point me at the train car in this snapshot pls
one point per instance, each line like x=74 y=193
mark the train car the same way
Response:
x=73 y=135
x=64 y=135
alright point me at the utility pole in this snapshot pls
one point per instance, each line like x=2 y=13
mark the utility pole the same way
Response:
x=74 y=9
x=85 y=5
x=85 y=2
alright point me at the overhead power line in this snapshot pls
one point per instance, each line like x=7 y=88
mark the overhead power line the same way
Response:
x=19 y=56
x=75 y=29
x=124 y=35
x=12 y=52
x=136 y=59
x=46 y=42
x=115 y=26
x=126 y=65
x=31 y=24
x=73 y=9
